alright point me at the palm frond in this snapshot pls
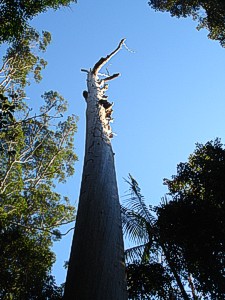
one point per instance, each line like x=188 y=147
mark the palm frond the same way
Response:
x=134 y=226
x=144 y=253
x=136 y=202
x=134 y=254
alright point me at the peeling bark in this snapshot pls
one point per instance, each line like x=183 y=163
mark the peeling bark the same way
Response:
x=96 y=268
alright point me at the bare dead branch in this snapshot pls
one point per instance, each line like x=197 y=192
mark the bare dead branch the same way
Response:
x=102 y=61
x=111 y=77
x=84 y=70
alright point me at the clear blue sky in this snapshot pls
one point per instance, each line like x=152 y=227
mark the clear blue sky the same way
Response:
x=171 y=93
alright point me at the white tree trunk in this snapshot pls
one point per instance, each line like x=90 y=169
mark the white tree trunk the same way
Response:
x=96 y=268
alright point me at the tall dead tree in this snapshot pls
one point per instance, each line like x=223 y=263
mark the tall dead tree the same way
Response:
x=96 y=267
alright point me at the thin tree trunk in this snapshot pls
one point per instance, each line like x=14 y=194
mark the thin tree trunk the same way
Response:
x=96 y=267
x=175 y=273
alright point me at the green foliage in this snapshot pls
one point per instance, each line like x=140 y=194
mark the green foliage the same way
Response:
x=210 y=14
x=15 y=15
x=36 y=152
x=148 y=281
x=21 y=61
x=188 y=234
x=192 y=224
x=25 y=262
x=24 y=42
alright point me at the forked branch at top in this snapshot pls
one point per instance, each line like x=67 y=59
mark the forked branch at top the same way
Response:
x=102 y=61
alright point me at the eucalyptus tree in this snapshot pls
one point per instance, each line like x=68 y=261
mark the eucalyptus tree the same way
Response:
x=22 y=64
x=96 y=267
x=22 y=41
x=36 y=153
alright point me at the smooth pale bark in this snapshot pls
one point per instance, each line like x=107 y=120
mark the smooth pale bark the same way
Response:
x=96 y=268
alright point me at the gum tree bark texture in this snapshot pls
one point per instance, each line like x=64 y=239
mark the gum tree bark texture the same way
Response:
x=96 y=267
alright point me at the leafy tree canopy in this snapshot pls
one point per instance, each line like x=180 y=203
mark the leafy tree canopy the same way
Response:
x=15 y=15
x=23 y=41
x=36 y=152
x=192 y=224
x=148 y=281
x=210 y=14
x=21 y=62
x=25 y=262
x=183 y=244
